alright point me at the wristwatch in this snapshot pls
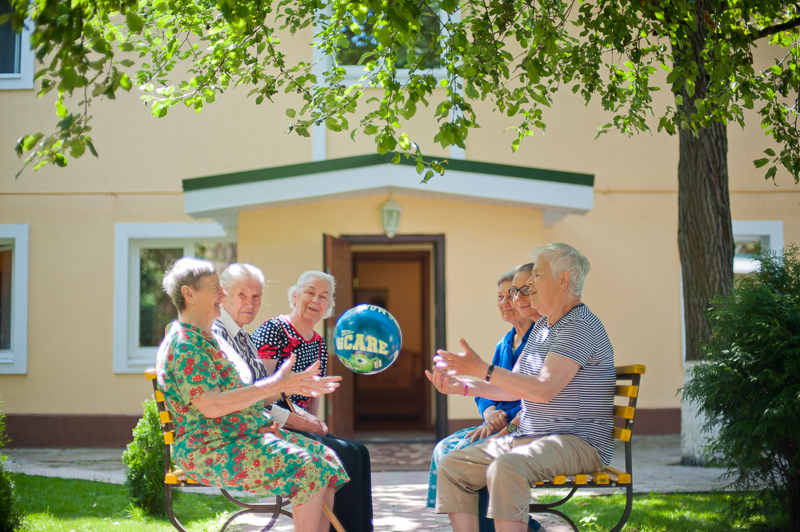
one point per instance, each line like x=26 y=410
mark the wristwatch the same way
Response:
x=511 y=428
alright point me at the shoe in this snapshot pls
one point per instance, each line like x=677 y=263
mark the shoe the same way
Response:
x=535 y=526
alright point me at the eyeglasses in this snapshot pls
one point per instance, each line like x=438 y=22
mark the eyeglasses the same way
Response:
x=525 y=291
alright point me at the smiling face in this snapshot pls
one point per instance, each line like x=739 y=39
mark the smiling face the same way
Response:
x=522 y=302
x=243 y=301
x=311 y=301
x=203 y=304
x=508 y=312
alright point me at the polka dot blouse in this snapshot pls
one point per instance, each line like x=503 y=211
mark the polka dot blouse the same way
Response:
x=277 y=339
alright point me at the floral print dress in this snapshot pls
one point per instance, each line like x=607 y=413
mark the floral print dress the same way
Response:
x=228 y=451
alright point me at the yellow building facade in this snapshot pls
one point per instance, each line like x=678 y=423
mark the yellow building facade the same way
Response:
x=71 y=241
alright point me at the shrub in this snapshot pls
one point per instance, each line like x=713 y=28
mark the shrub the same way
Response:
x=749 y=386
x=144 y=459
x=10 y=511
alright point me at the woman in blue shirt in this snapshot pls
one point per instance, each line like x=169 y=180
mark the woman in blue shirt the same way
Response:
x=495 y=414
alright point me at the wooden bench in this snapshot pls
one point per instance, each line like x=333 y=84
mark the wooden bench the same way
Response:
x=175 y=478
x=628 y=378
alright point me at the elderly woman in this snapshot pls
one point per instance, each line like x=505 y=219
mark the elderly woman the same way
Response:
x=311 y=300
x=496 y=414
x=223 y=438
x=244 y=286
x=565 y=378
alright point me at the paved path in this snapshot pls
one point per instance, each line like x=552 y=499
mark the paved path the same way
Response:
x=398 y=496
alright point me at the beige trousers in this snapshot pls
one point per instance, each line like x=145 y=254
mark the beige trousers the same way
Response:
x=509 y=466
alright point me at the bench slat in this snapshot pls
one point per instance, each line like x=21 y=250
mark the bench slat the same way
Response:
x=622 y=434
x=600 y=477
x=637 y=369
x=620 y=477
x=169 y=437
x=159 y=396
x=625 y=412
x=164 y=417
x=626 y=391
x=150 y=374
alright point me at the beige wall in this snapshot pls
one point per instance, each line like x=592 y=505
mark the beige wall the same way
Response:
x=630 y=236
x=482 y=242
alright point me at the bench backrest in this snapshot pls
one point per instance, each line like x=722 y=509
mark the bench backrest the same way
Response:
x=628 y=379
x=167 y=427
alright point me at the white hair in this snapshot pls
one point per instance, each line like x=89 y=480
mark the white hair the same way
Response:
x=306 y=279
x=238 y=273
x=187 y=271
x=564 y=258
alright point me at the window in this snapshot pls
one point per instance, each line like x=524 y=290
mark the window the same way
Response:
x=747 y=234
x=360 y=40
x=13 y=299
x=141 y=308
x=16 y=56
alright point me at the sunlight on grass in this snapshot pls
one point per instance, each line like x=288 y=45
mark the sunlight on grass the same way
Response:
x=83 y=506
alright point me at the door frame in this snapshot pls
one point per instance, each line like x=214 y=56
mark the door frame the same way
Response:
x=437 y=242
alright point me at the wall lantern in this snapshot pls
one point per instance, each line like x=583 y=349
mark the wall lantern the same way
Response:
x=390 y=213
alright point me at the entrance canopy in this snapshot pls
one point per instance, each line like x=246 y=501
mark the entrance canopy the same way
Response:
x=222 y=196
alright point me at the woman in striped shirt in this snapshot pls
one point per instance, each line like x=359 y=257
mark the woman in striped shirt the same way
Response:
x=565 y=379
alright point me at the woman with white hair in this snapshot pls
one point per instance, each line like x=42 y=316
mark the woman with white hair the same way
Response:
x=222 y=437
x=278 y=340
x=565 y=379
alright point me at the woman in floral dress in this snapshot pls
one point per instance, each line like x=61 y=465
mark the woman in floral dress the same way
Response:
x=222 y=436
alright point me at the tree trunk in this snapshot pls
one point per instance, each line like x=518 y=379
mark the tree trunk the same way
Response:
x=705 y=235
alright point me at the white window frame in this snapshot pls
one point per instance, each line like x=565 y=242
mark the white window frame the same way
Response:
x=129 y=239
x=769 y=232
x=14 y=361
x=24 y=78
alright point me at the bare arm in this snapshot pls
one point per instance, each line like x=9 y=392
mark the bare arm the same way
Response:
x=215 y=403
x=506 y=385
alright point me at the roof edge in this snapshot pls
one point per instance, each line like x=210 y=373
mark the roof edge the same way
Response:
x=360 y=161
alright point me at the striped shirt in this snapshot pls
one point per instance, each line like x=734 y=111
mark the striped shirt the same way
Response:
x=585 y=406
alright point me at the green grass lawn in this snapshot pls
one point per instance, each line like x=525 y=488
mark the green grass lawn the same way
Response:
x=83 y=506
x=656 y=512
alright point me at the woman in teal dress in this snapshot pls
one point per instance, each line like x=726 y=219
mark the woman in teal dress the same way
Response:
x=222 y=436
x=498 y=416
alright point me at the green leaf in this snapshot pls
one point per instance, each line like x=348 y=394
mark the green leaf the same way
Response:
x=760 y=162
x=134 y=22
x=125 y=82
x=61 y=111
x=91 y=147
x=770 y=152
x=290 y=113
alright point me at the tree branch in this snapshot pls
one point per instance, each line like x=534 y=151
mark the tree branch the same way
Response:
x=777 y=28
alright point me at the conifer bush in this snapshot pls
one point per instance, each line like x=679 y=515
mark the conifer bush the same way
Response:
x=144 y=458
x=749 y=387
x=11 y=518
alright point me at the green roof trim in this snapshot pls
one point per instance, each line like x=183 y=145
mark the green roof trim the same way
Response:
x=360 y=161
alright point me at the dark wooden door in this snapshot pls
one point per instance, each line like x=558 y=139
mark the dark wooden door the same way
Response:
x=339 y=263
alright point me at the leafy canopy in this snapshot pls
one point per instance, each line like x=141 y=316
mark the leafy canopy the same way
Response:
x=515 y=53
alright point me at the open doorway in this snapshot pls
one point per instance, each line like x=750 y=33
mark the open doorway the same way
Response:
x=397 y=400
x=405 y=275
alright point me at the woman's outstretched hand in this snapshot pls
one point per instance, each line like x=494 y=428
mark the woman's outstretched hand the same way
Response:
x=306 y=382
x=465 y=363
x=441 y=380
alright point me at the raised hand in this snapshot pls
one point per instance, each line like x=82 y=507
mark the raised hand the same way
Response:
x=306 y=382
x=465 y=363
x=442 y=381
